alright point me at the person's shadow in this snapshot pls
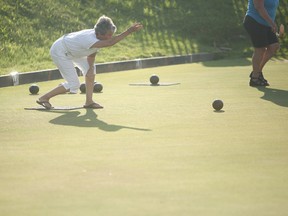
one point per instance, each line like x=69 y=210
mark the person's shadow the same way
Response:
x=276 y=96
x=88 y=120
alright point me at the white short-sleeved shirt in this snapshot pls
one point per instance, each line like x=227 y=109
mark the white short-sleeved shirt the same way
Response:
x=79 y=43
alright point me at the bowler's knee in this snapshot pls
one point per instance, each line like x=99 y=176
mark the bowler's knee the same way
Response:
x=90 y=76
x=274 y=48
x=74 y=86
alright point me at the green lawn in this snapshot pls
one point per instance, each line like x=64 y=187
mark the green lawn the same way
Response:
x=152 y=150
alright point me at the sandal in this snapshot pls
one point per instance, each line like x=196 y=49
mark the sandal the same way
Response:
x=261 y=77
x=257 y=82
x=93 y=106
x=45 y=104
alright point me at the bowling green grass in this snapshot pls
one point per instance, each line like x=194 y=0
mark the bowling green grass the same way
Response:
x=152 y=150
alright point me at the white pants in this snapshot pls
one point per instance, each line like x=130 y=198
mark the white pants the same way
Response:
x=66 y=65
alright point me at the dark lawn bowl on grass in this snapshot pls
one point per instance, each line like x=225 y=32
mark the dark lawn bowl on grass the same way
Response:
x=217 y=105
x=34 y=89
x=154 y=79
x=98 y=87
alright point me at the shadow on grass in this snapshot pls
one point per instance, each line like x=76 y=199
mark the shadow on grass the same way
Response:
x=88 y=120
x=276 y=96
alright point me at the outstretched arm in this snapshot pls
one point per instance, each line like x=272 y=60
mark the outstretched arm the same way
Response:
x=110 y=42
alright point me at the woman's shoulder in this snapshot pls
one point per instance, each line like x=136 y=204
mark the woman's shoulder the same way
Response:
x=84 y=32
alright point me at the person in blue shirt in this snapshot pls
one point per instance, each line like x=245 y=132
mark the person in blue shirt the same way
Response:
x=259 y=23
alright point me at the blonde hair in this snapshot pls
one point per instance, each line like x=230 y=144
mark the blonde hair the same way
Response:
x=104 y=25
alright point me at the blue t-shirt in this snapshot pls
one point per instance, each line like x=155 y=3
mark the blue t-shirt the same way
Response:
x=270 y=6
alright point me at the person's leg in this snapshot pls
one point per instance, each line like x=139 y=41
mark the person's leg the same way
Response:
x=256 y=76
x=269 y=53
x=260 y=57
x=56 y=91
x=271 y=48
x=89 y=81
x=257 y=60
x=89 y=103
x=69 y=73
x=260 y=41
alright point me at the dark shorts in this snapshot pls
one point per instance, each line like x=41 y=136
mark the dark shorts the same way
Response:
x=260 y=35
